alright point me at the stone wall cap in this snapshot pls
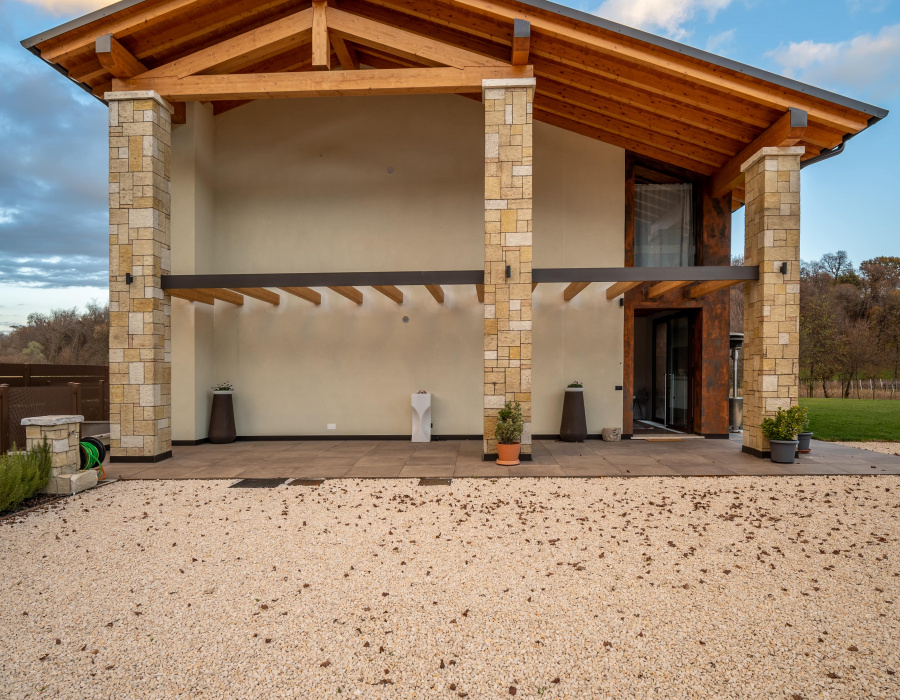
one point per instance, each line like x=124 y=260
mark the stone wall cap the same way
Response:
x=139 y=95
x=52 y=420
x=507 y=82
x=772 y=151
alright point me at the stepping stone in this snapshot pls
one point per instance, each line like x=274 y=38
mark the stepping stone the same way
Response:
x=257 y=484
x=434 y=482
x=307 y=482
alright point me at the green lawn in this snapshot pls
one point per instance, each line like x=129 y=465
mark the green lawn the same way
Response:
x=854 y=419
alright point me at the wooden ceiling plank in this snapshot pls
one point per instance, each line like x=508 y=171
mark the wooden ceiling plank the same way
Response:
x=246 y=86
x=619 y=288
x=321 y=47
x=390 y=291
x=192 y=295
x=351 y=293
x=224 y=295
x=479 y=292
x=310 y=295
x=574 y=289
x=521 y=42
x=260 y=294
x=436 y=291
x=117 y=60
x=657 y=290
x=278 y=33
x=346 y=54
x=787 y=131
x=711 y=286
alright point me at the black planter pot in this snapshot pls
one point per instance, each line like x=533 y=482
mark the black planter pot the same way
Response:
x=573 y=427
x=803 y=440
x=783 y=451
x=221 y=418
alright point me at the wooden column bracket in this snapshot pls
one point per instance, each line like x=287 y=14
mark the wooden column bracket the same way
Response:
x=657 y=290
x=436 y=291
x=574 y=289
x=306 y=293
x=351 y=293
x=521 y=43
x=390 y=291
x=259 y=293
x=620 y=288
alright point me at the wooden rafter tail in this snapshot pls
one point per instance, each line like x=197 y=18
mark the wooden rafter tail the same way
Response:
x=310 y=295
x=787 y=131
x=479 y=292
x=321 y=47
x=224 y=295
x=351 y=293
x=192 y=295
x=657 y=290
x=574 y=289
x=436 y=291
x=521 y=43
x=116 y=59
x=259 y=293
x=711 y=286
x=390 y=291
x=619 y=288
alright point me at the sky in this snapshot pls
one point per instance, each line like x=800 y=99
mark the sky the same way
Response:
x=53 y=169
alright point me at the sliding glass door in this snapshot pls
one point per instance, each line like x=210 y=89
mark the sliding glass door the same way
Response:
x=672 y=395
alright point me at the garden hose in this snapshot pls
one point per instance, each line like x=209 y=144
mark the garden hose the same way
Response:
x=90 y=458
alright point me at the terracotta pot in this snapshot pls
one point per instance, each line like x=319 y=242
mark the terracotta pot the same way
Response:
x=508 y=455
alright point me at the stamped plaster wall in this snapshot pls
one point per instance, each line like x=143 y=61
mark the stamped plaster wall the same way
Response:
x=394 y=183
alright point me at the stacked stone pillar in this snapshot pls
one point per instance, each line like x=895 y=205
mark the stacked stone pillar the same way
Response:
x=771 y=305
x=139 y=253
x=507 y=252
x=61 y=435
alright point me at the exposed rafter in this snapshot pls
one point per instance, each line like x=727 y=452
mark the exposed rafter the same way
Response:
x=310 y=295
x=224 y=295
x=259 y=293
x=390 y=291
x=193 y=295
x=705 y=288
x=115 y=58
x=574 y=289
x=521 y=43
x=351 y=293
x=618 y=288
x=436 y=291
x=657 y=290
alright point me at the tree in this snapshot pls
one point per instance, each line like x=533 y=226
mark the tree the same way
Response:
x=64 y=336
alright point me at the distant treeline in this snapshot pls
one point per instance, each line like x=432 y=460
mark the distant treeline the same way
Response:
x=64 y=336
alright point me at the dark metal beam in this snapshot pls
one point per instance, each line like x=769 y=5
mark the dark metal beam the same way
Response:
x=323 y=279
x=698 y=273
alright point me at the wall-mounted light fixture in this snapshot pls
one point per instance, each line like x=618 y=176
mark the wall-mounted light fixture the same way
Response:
x=784 y=268
x=508 y=271
x=128 y=278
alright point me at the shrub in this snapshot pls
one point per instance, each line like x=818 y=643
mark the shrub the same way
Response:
x=510 y=424
x=786 y=424
x=23 y=474
x=575 y=385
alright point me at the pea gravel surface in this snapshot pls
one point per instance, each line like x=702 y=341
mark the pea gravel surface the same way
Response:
x=732 y=587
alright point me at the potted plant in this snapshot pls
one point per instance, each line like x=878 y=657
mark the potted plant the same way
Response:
x=803 y=438
x=221 y=417
x=508 y=432
x=573 y=426
x=781 y=431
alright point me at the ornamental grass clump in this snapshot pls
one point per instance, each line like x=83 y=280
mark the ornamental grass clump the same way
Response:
x=23 y=474
x=786 y=424
x=510 y=424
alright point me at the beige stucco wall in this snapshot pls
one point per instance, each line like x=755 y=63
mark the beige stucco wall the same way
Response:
x=395 y=183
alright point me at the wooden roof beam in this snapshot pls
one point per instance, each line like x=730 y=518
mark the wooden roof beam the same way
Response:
x=310 y=295
x=345 y=53
x=192 y=295
x=787 y=131
x=711 y=286
x=351 y=293
x=436 y=291
x=259 y=293
x=252 y=86
x=390 y=291
x=116 y=59
x=574 y=289
x=321 y=48
x=224 y=295
x=619 y=288
x=657 y=290
x=521 y=43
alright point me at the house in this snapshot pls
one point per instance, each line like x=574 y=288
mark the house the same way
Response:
x=336 y=204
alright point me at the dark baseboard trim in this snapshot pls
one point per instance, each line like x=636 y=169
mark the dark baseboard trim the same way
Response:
x=753 y=452
x=718 y=436
x=189 y=443
x=434 y=438
x=495 y=457
x=591 y=436
x=141 y=460
x=627 y=436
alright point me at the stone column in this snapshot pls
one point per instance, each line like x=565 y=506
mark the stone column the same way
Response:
x=61 y=435
x=507 y=252
x=139 y=208
x=771 y=305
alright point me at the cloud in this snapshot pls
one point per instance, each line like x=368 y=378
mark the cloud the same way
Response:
x=867 y=63
x=721 y=43
x=69 y=7
x=670 y=16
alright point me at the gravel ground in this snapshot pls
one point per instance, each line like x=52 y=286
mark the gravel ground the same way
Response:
x=888 y=448
x=736 y=587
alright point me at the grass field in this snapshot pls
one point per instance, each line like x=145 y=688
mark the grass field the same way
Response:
x=854 y=419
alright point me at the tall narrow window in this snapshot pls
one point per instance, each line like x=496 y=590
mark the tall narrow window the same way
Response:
x=663 y=225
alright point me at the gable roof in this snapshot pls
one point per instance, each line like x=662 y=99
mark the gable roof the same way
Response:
x=621 y=85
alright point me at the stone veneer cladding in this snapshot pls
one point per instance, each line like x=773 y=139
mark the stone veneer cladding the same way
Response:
x=771 y=305
x=507 y=242
x=139 y=340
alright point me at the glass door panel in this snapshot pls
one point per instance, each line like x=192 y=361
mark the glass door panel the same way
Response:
x=672 y=372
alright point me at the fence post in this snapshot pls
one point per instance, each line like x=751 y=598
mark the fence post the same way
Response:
x=104 y=414
x=76 y=397
x=4 y=418
x=26 y=375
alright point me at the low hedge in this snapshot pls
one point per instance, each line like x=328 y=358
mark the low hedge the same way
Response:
x=23 y=474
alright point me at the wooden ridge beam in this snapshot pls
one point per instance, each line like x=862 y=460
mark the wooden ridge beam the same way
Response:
x=705 y=288
x=787 y=131
x=436 y=291
x=224 y=295
x=116 y=59
x=321 y=47
x=306 y=293
x=283 y=34
x=619 y=288
x=574 y=289
x=251 y=86
x=192 y=295
x=479 y=292
x=394 y=40
x=521 y=43
x=657 y=290
x=351 y=293
x=259 y=293
x=390 y=291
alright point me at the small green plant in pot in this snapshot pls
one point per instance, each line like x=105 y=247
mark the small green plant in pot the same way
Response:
x=508 y=432
x=781 y=432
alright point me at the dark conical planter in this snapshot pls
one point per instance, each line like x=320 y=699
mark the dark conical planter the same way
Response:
x=783 y=451
x=221 y=418
x=573 y=427
x=803 y=440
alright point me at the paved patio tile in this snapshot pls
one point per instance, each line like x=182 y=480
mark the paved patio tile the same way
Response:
x=482 y=470
x=427 y=471
x=373 y=471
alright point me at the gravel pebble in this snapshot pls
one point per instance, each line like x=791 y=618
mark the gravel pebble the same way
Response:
x=733 y=587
